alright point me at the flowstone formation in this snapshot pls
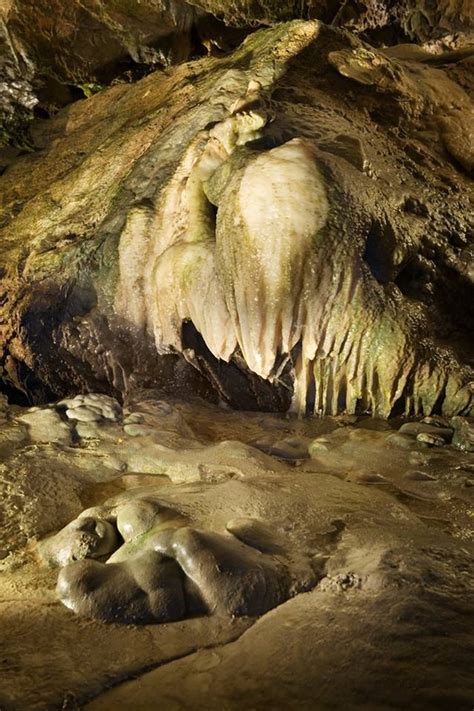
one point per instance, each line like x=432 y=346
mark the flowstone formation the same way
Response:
x=289 y=223
x=157 y=553
x=150 y=548
x=160 y=568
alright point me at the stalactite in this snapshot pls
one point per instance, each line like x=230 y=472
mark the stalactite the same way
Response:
x=240 y=243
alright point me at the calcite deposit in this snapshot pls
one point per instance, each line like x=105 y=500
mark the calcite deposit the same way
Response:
x=236 y=366
x=262 y=541
x=289 y=223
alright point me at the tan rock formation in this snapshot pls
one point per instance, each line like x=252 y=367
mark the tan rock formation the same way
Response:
x=298 y=210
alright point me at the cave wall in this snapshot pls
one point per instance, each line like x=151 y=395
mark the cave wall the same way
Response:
x=154 y=176
x=53 y=53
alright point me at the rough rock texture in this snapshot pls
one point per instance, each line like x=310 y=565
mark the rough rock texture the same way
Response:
x=447 y=23
x=293 y=219
x=79 y=40
x=49 y=47
x=53 y=52
x=420 y=20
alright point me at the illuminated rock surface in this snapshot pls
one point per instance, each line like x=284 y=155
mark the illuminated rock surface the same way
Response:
x=285 y=226
x=356 y=548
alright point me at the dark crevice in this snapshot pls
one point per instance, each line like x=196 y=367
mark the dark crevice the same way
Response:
x=14 y=395
x=379 y=247
x=233 y=382
x=411 y=279
x=398 y=408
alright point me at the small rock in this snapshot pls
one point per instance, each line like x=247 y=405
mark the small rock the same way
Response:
x=416 y=428
x=318 y=447
x=71 y=403
x=103 y=405
x=45 y=425
x=108 y=406
x=463 y=437
x=84 y=414
x=430 y=439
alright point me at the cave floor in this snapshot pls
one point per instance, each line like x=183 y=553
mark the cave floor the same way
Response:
x=389 y=518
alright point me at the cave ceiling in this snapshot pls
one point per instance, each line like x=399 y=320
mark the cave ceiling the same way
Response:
x=53 y=53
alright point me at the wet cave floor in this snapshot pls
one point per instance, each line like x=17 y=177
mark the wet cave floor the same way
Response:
x=380 y=512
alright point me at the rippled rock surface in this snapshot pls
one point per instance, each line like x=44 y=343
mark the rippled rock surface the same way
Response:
x=170 y=543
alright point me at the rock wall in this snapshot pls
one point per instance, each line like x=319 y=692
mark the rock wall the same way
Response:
x=285 y=224
x=53 y=53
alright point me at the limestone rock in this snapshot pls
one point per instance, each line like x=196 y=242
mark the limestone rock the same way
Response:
x=46 y=425
x=378 y=541
x=420 y=20
x=83 y=538
x=430 y=439
x=54 y=52
x=91 y=408
x=416 y=428
x=52 y=49
x=283 y=226
x=463 y=437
